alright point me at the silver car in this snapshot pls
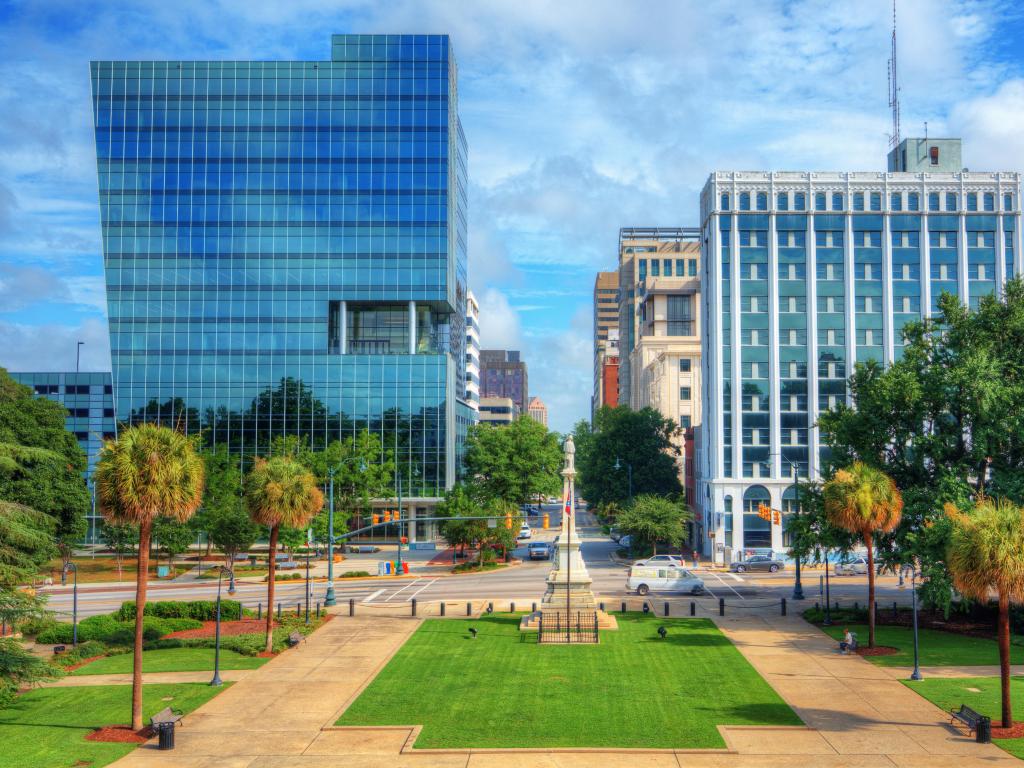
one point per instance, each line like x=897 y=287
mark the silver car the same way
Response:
x=855 y=566
x=758 y=563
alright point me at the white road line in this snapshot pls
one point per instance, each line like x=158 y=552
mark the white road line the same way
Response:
x=374 y=595
x=734 y=576
x=727 y=586
x=429 y=583
x=397 y=592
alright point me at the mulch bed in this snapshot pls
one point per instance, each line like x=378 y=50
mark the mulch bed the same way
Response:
x=209 y=629
x=121 y=734
x=878 y=650
x=1015 y=731
x=82 y=663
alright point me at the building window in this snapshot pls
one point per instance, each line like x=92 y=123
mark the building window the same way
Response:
x=691 y=267
x=972 y=201
x=876 y=201
x=913 y=201
x=643 y=269
x=837 y=201
x=684 y=393
x=685 y=422
x=1007 y=202
x=685 y=365
x=858 y=201
x=951 y=201
x=680 y=315
x=819 y=201
x=933 y=201
x=108 y=413
x=679 y=266
x=896 y=201
x=725 y=201
x=762 y=201
x=744 y=201
x=933 y=155
x=989 y=201
x=655 y=268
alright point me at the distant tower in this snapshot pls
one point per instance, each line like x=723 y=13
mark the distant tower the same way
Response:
x=894 y=88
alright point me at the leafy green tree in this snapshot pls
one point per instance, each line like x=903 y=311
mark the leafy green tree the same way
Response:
x=458 y=504
x=514 y=462
x=19 y=666
x=280 y=492
x=986 y=554
x=944 y=422
x=122 y=539
x=653 y=519
x=172 y=537
x=147 y=473
x=26 y=542
x=233 y=532
x=812 y=534
x=642 y=440
x=224 y=518
x=864 y=501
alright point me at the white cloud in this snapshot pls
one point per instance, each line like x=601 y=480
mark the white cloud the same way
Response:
x=993 y=128
x=52 y=347
x=499 y=322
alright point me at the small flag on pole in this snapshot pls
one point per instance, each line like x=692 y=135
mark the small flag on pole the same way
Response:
x=568 y=506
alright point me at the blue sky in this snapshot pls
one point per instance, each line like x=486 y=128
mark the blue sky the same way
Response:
x=581 y=117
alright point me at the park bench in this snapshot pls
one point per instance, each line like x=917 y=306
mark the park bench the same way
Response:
x=966 y=716
x=294 y=639
x=59 y=649
x=166 y=715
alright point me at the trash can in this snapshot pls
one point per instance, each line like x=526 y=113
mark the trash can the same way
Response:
x=983 y=733
x=165 y=731
x=405 y=567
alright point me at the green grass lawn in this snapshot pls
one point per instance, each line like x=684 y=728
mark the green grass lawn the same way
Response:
x=46 y=727
x=936 y=648
x=171 y=660
x=632 y=690
x=985 y=698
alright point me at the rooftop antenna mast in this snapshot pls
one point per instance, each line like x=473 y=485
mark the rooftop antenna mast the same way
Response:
x=894 y=89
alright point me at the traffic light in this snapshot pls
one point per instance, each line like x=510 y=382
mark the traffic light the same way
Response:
x=764 y=511
x=547 y=521
x=508 y=520
x=776 y=517
x=376 y=518
x=387 y=515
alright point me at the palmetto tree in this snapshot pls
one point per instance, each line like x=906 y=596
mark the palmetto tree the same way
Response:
x=986 y=554
x=148 y=472
x=280 y=490
x=864 y=501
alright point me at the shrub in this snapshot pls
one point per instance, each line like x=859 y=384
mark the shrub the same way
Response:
x=107 y=629
x=86 y=650
x=353 y=574
x=200 y=610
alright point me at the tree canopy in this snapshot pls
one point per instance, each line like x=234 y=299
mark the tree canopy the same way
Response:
x=654 y=519
x=514 y=462
x=640 y=442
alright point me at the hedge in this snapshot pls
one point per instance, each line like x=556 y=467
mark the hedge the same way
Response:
x=107 y=629
x=200 y=610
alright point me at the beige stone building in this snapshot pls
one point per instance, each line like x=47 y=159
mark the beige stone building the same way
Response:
x=498 y=410
x=537 y=410
x=659 y=329
x=606 y=341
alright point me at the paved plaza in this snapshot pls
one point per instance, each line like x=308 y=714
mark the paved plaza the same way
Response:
x=281 y=715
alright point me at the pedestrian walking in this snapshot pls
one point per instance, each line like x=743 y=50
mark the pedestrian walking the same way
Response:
x=696 y=560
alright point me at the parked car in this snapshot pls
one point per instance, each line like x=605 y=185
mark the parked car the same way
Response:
x=539 y=550
x=758 y=563
x=661 y=560
x=626 y=541
x=615 y=534
x=643 y=579
x=525 y=532
x=854 y=566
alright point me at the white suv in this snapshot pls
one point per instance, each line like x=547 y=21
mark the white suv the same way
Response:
x=855 y=566
x=662 y=560
x=525 y=532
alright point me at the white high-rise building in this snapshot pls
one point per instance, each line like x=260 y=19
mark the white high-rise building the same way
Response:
x=804 y=275
x=473 y=353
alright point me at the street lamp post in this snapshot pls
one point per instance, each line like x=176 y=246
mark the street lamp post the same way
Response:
x=308 y=585
x=798 y=588
x=330 y=598
x=398 y=478
x=916 y=674
x=828 y=611
x=216 y=643
x=629 y=475
x=74 y=600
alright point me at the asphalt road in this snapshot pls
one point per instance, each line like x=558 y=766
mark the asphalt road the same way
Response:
x=525 y=583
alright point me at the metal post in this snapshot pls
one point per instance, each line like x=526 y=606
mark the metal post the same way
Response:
x=511 y=607
x=798 y=589
x=74 y=600
x=398 y=477
x=351 y=607
x=259 y=611
x=329 y=598
x=623 y=606
x=916 y=674
x=721 y=606
x=442 y=607
x=414 y=606
x=828 y=610
x=78 y=355
x=308 y=585
x=666 y=608
x=783 y=606
x=216 y=643
x=469 y=609
x=279 y=611
x=298 y=608
x=693 y=608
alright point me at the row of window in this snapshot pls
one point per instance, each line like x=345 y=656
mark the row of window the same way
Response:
x=869 y=272
x=663 y=268
x=72 y=389
x=866 y=239
x=898 y=201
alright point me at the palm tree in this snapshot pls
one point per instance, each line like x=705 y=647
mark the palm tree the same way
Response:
x=280 y=491
x=864 y=501
x=148 y=472
x=986 y=553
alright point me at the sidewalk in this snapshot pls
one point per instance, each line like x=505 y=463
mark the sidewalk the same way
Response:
x=148 y=677
x=858 y=715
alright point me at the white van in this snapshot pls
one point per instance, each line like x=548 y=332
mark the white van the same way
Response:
x=646 y=578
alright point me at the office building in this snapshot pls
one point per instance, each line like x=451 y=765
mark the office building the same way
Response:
x=89 y=400
x=472 y=353
x=503 y=374
x=285 y=249
x=606 y=373
x=537 y=411
x=606 y=322
x=804 y=275
x=659 y=330
x=495 y=409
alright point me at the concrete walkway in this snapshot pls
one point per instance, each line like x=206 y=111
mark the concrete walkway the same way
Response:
x=148 y=677
x=280 y=715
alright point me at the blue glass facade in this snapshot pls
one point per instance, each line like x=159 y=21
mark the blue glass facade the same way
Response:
x=285 y=247
x=89 y=400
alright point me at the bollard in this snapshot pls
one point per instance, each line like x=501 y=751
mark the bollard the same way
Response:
x=279 y=611
x=259 y=611
x=623 y=606
x=837 y=605
x=511 y=607
x=721 y=606
x=817 y=607
x=783 y=606
x=469 y=609
x=693 y=608
x=318 y=610
x=298 y=609
x=442 y=607
x=413 y=601
x=490 y=607
x=534 y=609
x=351 y=607
x=895 y=613
x=666 y=609
x=821 y=585
x=602 y=607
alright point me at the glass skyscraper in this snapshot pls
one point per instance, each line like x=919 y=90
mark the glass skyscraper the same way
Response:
x=805 y=275
x=285 y=247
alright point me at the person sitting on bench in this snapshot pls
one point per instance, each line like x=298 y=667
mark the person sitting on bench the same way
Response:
x=848 y=643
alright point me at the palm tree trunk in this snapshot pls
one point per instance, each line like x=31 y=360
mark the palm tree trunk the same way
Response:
x=272 y=567
x=1004 y=658
x=871 y=591
x=141 y=578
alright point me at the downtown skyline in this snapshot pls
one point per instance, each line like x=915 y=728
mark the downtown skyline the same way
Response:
x=643 y=112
